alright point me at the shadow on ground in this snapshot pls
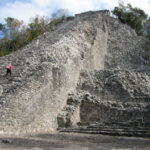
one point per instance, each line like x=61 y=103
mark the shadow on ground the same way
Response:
x=72 y=141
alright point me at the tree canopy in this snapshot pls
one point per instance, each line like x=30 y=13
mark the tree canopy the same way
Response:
x=136 y=18
x=14 y=34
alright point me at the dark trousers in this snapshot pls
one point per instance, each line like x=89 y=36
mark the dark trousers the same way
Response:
x=8 y=72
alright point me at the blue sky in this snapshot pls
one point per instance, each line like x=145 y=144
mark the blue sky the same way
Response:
x=25 y=9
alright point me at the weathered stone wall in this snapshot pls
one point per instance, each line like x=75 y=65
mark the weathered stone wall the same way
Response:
x=119 y=98
x=36 y=96
x=85 y=109
x=42 y=77
x=116 y=85
x=116 y=92
x=41 y=95
x=126 y=114
x=124 y=48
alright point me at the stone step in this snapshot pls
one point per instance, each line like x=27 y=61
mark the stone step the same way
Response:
x=142 y=129
x=117 y=132
x=117 y=128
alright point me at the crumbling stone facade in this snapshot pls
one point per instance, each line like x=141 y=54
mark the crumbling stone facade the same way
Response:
x=89 y=54
x=110 y=97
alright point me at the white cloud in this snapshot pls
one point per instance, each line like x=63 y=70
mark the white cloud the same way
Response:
x=78 y=6
x=144 y=4
x=23 y=10
x=109 y=3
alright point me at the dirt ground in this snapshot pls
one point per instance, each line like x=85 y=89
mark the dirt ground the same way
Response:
x=72 y=141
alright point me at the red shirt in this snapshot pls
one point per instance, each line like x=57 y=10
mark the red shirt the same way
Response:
x=10 y=67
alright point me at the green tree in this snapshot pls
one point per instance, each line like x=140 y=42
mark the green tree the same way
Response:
x=1 y=30
x=17 y=35
x=1 y=26
x=134 y=17
x=37 y=26
x=58 y=16
x=14 y=25
x=146 y=28
x=11 y=31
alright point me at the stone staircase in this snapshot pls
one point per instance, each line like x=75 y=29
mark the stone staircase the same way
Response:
x=21 y=71
x=110 y=129
x=27 y=59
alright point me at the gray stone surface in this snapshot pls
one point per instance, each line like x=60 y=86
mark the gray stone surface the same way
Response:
x=72 y=141
x=112 y=102
x=34 y=99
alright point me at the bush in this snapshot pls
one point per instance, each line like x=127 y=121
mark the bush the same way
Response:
x=3 y=53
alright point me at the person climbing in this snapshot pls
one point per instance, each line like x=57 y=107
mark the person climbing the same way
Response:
x=9 y=69
x=44 y=35
x=37 y=42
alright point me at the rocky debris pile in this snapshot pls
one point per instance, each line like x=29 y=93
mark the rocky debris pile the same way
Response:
x=86 y=113
x=115 y=102
x=121 y=85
